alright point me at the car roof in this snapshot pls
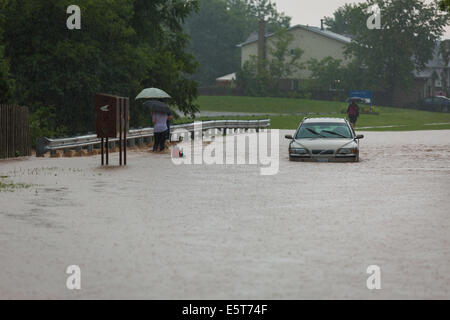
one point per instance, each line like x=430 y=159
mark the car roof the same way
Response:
x=324 y=120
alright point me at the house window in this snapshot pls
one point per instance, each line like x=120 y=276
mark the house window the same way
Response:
x=294 y=85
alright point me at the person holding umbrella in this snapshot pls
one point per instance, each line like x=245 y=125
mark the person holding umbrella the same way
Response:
x=353 y=113
x=161 y=115
x=160 y=129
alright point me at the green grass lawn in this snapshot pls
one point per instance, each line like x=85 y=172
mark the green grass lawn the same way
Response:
x=402 y=119
x=266 y=105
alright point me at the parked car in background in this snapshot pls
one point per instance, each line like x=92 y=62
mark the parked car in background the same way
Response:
x=437 y=104
x=324 y=140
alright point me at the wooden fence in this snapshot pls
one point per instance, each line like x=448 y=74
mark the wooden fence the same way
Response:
x=14 y=132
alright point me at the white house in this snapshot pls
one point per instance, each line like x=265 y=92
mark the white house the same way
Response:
x=315 y=42
x=319 y=43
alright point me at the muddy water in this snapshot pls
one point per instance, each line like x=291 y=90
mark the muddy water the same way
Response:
x=159 y=231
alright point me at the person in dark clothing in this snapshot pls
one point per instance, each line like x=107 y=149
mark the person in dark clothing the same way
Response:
x=353 y=113
x=160 y=127
x=168 y=126
x=160 y=121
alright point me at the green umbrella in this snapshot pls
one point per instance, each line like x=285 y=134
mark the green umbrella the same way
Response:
x=153 y=93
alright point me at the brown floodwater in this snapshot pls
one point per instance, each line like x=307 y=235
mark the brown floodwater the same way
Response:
x=156 y=230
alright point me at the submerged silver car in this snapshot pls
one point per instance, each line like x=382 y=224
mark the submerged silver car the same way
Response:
x=324 y=140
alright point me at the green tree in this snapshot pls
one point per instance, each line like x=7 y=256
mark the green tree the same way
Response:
x=267 y=10
x=6 y=84
x=406 y=41
x=248 y=13
x=444 y=51
x=215 y=32
x=345 y=20
x=160 y=31
x=220 y=25
x=282 y=62
x=445 y=5
x=123 y=46
x=332 y=74
x=327 y=73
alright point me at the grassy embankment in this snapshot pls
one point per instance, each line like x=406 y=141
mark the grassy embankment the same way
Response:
x=284 y=113
x=6 y=185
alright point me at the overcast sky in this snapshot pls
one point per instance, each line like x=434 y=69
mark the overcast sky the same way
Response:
x=311 y=11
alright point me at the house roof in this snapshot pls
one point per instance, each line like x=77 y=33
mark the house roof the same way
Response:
x=331 y=35
x=228 y=77
x=424 y=74
x=254 y=37
x=436 y=62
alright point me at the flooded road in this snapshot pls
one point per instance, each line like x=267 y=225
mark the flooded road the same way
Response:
x=154 y=230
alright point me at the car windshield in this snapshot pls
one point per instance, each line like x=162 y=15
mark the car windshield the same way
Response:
x=324 y=130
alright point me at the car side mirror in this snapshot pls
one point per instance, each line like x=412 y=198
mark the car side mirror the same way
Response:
x=289 y=137
x=359 y=136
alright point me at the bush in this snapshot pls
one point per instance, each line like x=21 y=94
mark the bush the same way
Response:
x=43 y=124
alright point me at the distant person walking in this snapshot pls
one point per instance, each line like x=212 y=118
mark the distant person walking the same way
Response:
x=353 y=113
x=160 y=129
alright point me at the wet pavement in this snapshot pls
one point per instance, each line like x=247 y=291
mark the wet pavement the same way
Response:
x=155 y=230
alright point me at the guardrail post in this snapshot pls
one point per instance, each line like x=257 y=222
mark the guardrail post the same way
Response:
x=90 y=148
x=107 y=151
x=41 y=146
x=102 y=146
x=140 y=141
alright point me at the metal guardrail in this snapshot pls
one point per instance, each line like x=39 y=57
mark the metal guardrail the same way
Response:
x=44 y=145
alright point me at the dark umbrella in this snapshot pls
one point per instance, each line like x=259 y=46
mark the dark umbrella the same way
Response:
x=157 y=106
